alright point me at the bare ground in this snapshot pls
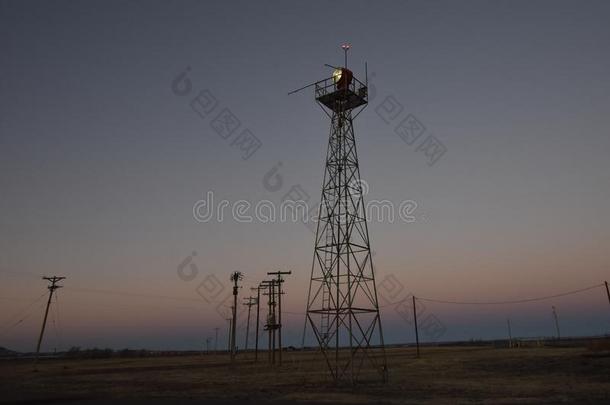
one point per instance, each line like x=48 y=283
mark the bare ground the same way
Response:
x=441 y=375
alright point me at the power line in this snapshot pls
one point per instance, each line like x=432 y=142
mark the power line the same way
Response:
x=28 y=311
x=500 y=302
x=20 y=321
x=24 y=313
x=111 y=306
x=13 y=299
x=440 y=301
x=20 y=273
x=142 y=295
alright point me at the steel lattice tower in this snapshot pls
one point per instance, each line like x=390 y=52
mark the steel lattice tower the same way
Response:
x=342 y=307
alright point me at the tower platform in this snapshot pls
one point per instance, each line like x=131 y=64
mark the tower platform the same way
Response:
x=328 y=94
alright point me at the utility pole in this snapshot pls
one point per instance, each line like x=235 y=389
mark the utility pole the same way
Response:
x=556 y=323
x=415 y=322
x=207 y=345
x=279 y=281
x=510 y=335
x=273 y=321
x=216 y=340
x=274 y=318
x=235 y=277
x=251 y=301
x=229 y=335
x=53 y=280
x=270 y=325
x=258 y=306
x=607 y=291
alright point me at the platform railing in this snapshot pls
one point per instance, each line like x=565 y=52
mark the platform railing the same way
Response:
x=327 y=86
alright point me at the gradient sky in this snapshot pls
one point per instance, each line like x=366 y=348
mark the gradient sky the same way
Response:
x=101 y=163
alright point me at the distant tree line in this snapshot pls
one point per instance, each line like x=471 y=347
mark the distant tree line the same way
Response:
x=97 y=353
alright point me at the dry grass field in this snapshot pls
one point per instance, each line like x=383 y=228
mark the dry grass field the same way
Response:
x=440 y=375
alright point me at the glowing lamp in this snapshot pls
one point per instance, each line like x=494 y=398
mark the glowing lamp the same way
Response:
x=342 y=78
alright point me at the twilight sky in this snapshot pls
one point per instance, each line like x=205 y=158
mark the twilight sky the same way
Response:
x=101 y=162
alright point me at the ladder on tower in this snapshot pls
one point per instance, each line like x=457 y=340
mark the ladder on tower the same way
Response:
x=328 y=263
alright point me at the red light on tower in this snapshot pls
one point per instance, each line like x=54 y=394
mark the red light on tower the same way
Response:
x=343 y=77
x=345 y=48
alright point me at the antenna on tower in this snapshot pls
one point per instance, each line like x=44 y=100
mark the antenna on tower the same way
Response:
x=345 y=48
x=301 y=88
x=331 y=66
